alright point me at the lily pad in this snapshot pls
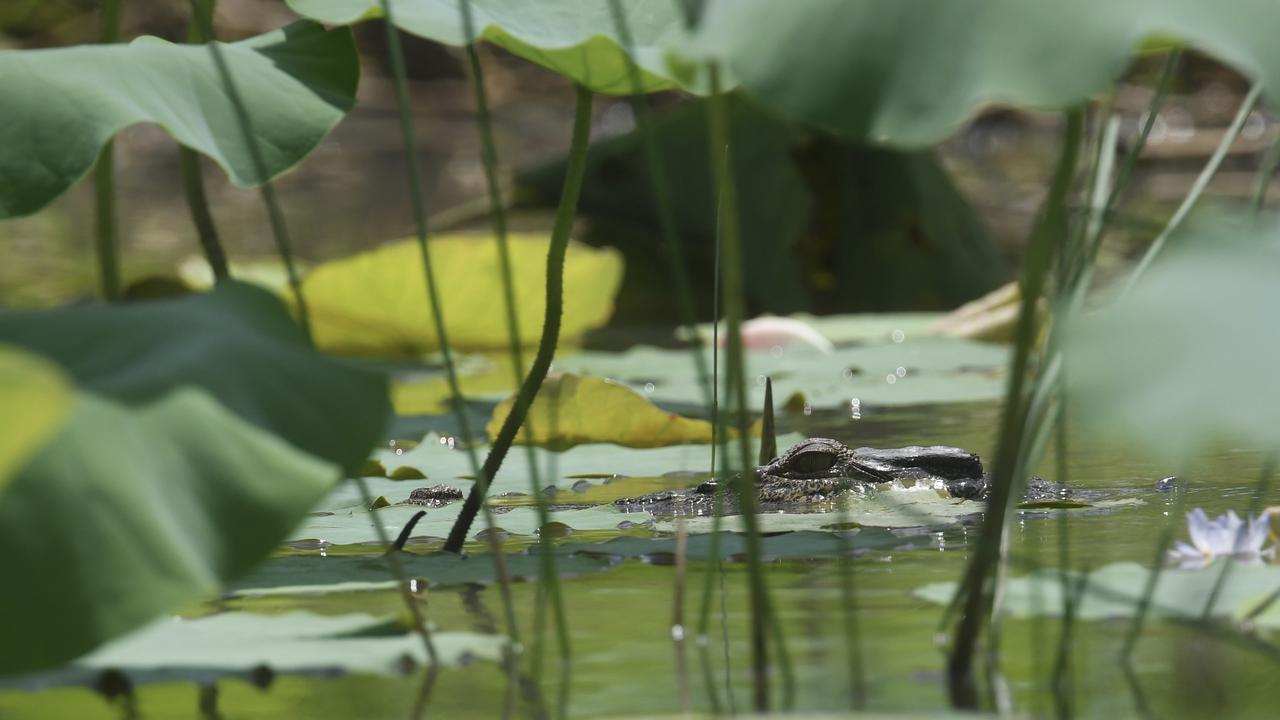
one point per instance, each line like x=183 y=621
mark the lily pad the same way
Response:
x=375 y=302
x=312 y=574
x=572 y=409
x=38 y=393
x=139 y=352
x=236 y=644
x=1116 y=590
x=575 y=39
x=355 y=526
x=910 y=73
x=62 y=105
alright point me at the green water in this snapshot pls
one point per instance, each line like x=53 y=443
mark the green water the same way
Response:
x=621 y=620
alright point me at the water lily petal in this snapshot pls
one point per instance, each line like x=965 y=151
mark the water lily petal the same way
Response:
x=1200 y=528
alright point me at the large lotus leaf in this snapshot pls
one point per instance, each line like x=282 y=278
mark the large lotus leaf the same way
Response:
x=315 y=574
x=375 y=303
x=573 y=409
x=237 y=342
x=1189 y=357
x=60 y=106
x=575 y=38
x=129 y=512
x=36 y=399
x=908 y=73
x=1116 y=591
x=237 y=644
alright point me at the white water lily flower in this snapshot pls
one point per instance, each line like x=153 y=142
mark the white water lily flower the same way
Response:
x=1224 y=536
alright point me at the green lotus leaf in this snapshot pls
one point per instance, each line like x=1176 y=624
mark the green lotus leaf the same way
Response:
x=129 y=512
x=375 y=302
x=573 y=38
x=909 y=73
x=60 y=106
x=236 y=644
x=36 y=398
x=138 y=352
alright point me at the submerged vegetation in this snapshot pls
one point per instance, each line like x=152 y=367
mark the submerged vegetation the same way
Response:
x=276 y=453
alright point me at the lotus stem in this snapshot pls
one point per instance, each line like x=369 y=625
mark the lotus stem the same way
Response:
x=192 y=180
x=550 y=326
x=108 y=253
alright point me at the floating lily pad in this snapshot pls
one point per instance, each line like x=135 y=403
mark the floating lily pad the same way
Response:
x=572 y=410
x=62 y=105
x=1116 y=590
x=237 y=644
x=355 y=526
x=375 y=302
x=312 y=574
x=575 y=39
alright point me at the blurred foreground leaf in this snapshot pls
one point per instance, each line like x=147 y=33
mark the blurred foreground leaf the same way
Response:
x=37 y=399
x=909 y=73
x=1190 y=356
x=200 y=431
x=60 y=106
x=375 y=303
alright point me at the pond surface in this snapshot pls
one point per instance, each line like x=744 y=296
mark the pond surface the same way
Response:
x=620 y=615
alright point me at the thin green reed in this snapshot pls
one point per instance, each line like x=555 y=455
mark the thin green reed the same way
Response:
x=108 y=254
x=279 y=231
x=192 y=180
x=418 y=203
x=762 y=616
x=975 y=595
x=549 y=577
x=1197 y=188
x=551 y=321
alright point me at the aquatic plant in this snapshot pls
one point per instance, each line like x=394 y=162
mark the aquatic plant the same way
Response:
x=1226 y=536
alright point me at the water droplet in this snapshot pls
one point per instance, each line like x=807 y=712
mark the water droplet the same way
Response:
x=900 y=372
x=413 y=585
x=898 y=336
x=677 y=632
x=760 y=380
x=399 y=451
x=626 y=525
x=581 y=486
x=776 y=351
x=808 y=409
x=891 y=378
x=649 y=387
x=855 y=409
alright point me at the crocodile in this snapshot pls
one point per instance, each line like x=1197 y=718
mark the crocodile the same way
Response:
x=818 y=469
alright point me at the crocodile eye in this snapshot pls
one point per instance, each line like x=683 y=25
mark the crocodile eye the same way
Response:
x=813 y=461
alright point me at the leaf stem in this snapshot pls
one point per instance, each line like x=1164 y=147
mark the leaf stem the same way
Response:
x=192 y=180
x=551 y=322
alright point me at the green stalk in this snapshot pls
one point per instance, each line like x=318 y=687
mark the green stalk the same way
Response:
x=976 y=589
x=1148 y=592
x=1260 y=491
x=192 y=180
x=551 y=322
x=104 y=184
x=437 y=316
x=279 y=231
x=549 y=578
x=735 y=389
x=1197 y=188
x=1266 y=171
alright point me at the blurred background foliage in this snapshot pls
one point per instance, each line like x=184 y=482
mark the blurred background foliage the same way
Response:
x=828 y=227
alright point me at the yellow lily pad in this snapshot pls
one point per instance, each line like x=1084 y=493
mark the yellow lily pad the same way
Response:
x=375 y=303
x=575 y=409
x=36 y=395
